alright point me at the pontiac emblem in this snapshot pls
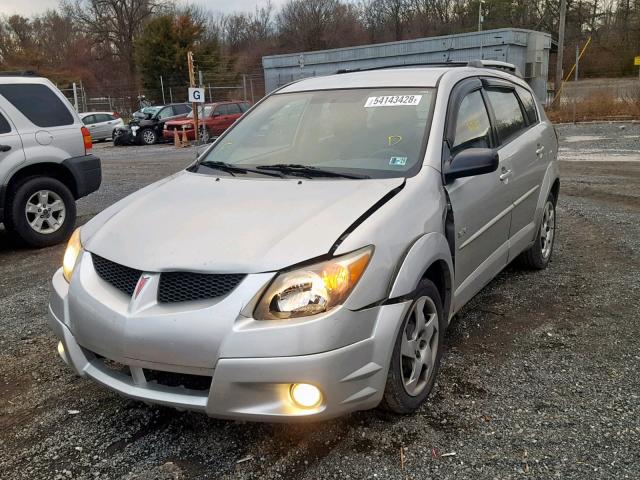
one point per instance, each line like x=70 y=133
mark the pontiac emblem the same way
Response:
x=141 y=283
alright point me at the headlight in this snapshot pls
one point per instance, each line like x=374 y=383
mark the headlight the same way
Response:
x=314 y=288
x=74 y=247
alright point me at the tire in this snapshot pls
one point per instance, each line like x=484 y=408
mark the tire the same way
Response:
x=57 y=215
x=538 y=256
x=399 y=396
x=148 y=136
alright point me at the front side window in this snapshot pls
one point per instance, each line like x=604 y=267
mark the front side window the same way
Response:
x=233 y=109
x=509 y=117
x=222 y=109
x=473 y=129
x=165 y=113
x=208 y=111
x=374 y=132
x=38 y=103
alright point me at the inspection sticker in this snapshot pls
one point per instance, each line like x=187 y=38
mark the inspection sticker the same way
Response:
x=393 y=101
x=398 y=161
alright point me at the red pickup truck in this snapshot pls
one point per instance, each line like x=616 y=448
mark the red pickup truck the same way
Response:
x=217 y=118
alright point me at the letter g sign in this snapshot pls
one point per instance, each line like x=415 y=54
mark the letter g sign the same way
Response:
x=196 y=95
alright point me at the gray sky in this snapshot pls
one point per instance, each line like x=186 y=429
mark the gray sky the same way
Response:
x=30 y=7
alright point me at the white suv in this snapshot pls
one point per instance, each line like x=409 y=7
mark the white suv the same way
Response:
x=45 y=165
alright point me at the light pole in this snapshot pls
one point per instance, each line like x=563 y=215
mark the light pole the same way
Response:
x=480 y=19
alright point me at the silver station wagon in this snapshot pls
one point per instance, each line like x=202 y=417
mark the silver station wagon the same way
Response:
x=308 y=263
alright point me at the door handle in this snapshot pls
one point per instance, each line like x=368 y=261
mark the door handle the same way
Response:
x=5 y=148
x=504 y=176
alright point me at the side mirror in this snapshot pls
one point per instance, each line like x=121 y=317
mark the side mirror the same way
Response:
x=216 y=114
x=471 y=162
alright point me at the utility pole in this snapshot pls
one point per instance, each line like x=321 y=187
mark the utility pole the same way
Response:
x=162 y=87
x=563 y=18
x=480 y=3
x=192 y=84
x=201 y=85
x=75 y=97
x=575 y=87
x=244 y=87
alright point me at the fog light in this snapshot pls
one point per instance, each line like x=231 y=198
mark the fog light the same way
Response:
x=305 y=395
x=62 y=353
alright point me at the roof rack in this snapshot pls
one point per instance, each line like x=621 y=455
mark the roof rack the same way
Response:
x=19 y=73
x=504 y=66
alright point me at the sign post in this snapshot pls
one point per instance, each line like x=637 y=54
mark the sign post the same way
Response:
x=636 y=62
x=194 y=104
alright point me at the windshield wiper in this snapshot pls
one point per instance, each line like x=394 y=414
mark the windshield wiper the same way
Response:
x=308 y=171
x=233 y=169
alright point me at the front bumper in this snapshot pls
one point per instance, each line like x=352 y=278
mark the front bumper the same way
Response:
x=250 y=387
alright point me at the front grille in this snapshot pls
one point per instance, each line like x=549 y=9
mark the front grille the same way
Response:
x=187 y=286
x=174 y=286
x=123 y=278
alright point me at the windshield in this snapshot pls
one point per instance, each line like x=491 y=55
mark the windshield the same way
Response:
x=208 y=110
x=377 y=132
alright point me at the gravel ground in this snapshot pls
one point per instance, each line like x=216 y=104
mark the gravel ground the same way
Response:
x=540 y=378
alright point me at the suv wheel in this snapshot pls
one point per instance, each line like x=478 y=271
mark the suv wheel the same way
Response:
x=417 y=352
x=42 y=212
x=148 y=136
x=537 y=257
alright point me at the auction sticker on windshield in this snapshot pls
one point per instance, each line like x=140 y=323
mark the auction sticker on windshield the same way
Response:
x=393 y=101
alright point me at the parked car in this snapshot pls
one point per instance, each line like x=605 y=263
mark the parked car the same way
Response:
x=318 y=250
x=147 y=124
x=45 y=160
x=213 y=120
x=101 y=125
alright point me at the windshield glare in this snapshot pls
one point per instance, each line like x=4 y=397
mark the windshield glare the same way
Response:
x=377 y=132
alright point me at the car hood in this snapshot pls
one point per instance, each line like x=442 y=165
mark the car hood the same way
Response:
x=203 y=223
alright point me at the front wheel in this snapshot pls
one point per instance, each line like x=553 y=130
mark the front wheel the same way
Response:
x=42 y=212
x=537 y=257
x=149 y=136
x=417 y=352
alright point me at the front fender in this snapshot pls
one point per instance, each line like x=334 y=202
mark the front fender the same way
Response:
x=423 y=253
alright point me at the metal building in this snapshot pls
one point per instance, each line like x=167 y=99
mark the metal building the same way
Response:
x=526 y=49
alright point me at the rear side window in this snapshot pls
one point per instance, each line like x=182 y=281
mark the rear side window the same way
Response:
x=529 y=104
x=89 y=119
x=509 y=117
x=473 y=129
x=4 y=125
x=103 y=117
x=38 y=103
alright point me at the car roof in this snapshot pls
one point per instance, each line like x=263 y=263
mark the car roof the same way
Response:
x=389 y=77
x=422 y=76
x=85 y=114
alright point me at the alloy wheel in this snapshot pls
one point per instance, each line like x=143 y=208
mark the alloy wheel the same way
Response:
x=148 y=137
x=547 y=229
x=419 y=346
x=45 y=211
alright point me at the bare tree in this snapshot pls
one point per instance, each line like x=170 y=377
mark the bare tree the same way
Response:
x=114 y=25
